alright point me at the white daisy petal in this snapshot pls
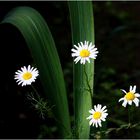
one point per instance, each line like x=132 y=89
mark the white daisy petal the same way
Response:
x=90 y=117
x=77 y=59
x=75 y=46
x=121 y=99
x=137 y=95
x=73 y=50
x=26 y=76
x=104 y=114
x=91 y=111
x=81 y=60
x=92 y=49
x=88 y=60
x=96 y=124
x=84 y=61
x=134 y=89
x=90 y=45
x=29 y=67
x=130 y=89
x=74 y=54
x=123 y=90
x=100 y=124
x=103 y=119
x=98 y=106
x=93 y=124
x=103 y=109
x=136 y=101
x=83 y=52
x=90 y=122
x=33 y=69
x=95 y=108
x=93 y=56
x=130 y=102
x=124 y=103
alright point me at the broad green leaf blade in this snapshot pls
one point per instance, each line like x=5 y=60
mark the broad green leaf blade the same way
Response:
x=82 y=28
x=40 y=42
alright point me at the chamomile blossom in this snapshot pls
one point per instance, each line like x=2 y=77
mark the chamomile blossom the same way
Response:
x=84 y=52
x=130 y=97
x=26 y=76
x=98 y=114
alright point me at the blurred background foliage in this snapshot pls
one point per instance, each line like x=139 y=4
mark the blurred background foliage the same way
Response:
x=117 y=35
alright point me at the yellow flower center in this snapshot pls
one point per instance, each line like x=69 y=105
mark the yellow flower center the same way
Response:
x=27 y=76
x=84 y=53
x=97 y=115
x=130 y=96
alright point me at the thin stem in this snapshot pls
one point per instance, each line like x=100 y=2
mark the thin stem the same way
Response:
x=88 y=84
x=129 y=115
x=35 y=91
x=53 y=114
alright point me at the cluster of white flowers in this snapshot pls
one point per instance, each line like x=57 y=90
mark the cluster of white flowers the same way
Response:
x=83 y=53
x=99 y=114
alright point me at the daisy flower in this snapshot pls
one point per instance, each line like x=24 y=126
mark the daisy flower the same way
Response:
x=26 y=76
x=98 y=114
x=130 y=97
x=83 y=52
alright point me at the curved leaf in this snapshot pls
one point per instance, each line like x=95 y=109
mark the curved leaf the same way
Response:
x=40 y=42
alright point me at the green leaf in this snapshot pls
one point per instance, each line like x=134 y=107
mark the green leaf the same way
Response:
x=41 y=44
x=82 y=28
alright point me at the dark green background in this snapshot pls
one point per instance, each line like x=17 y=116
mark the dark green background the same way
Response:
x=117 y=36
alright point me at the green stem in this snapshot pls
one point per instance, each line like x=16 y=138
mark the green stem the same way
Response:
x=35 y=91
x=88 y=83
x=129 y=115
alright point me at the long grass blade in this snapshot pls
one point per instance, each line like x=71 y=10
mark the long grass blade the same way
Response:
x=82 y=28
x=41 y=44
